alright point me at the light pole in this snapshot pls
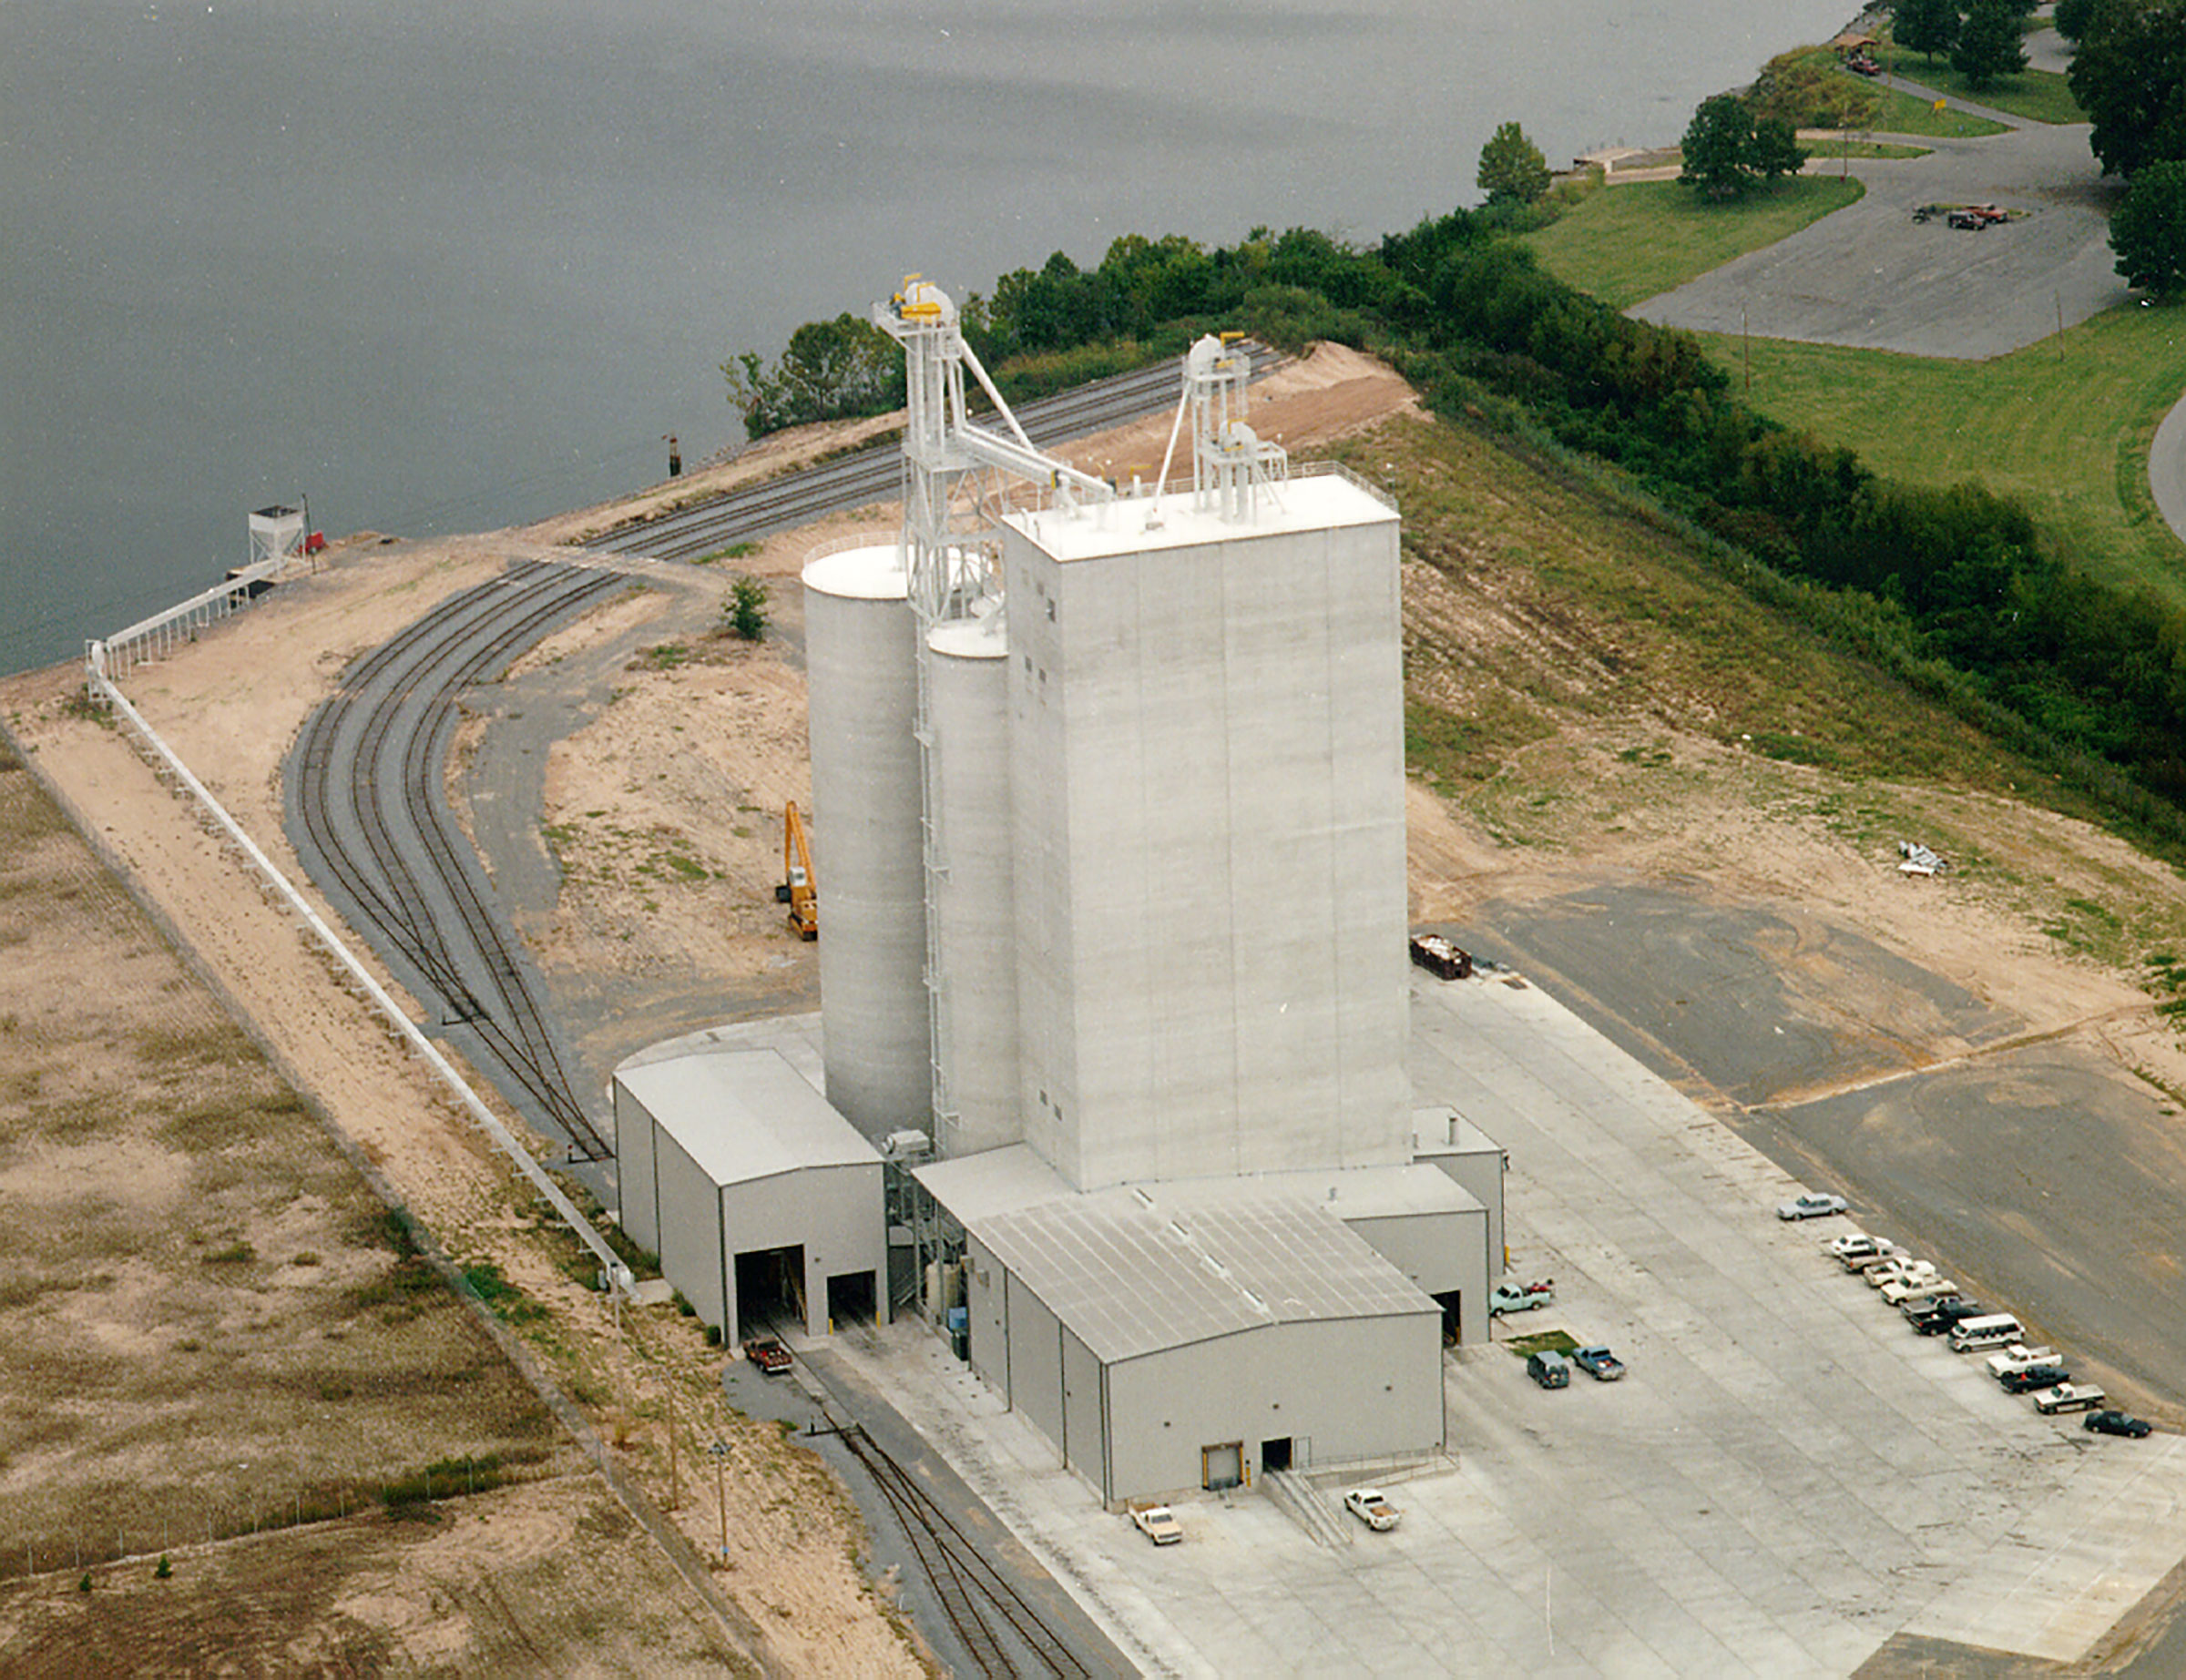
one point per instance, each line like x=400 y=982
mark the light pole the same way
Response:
x=719 y=1450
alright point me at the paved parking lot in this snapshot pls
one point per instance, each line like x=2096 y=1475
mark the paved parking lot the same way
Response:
x=1788 y=1479
x=1869 y=276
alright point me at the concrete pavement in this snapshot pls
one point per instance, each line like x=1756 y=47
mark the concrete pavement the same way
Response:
x=1788 y=1479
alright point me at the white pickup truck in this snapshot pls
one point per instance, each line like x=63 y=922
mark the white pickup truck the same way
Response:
x=2021 y=1356
x=1917 y=1289
x=1158 y=1523
x=2067 y=1397
x=1898 y=1268
x=1858 y=1251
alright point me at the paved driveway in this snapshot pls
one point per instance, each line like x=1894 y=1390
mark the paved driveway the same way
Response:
x=1869 y=276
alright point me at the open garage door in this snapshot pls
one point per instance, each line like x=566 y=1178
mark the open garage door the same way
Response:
x=850 y=1299
x=770 y=1288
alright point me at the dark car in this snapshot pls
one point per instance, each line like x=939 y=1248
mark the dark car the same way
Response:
x=1967 y=221
x=1942 y=1319
x=1927 y=1306
x=2116 y=1423
x=2037 y=1377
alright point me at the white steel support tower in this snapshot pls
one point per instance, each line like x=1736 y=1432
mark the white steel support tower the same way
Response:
x=950 y=546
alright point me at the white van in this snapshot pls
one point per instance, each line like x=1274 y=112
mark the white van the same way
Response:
x=1991 y=1329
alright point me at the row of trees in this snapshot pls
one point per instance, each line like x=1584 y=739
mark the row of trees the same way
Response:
x=1982 y=43
x=1961 y=578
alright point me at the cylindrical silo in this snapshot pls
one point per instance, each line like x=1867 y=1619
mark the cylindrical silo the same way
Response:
x=974 y=910
x=861 y=678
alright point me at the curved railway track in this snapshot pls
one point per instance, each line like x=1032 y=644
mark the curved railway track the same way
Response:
x=875 y=474
x=1004 y=1635
x=376 y=829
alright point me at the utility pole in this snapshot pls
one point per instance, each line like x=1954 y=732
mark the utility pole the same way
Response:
x=720 y=1485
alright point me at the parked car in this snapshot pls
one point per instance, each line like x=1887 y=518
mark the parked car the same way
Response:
x=1965 y=220
x=1368 y=1505
x=1521 y=1297
x=2021 y=1356
x=1857 y=1251
x=2116 y=1423
x=1599 y=1363
x=1898 y=1268
x=2033 y=1378
x=768 y=1355
x=2067 y=1397
x=1549 y=1368
x=1158 y=1523
x=1812 y=1205
x=1941 y=1317
x=1930 y=1288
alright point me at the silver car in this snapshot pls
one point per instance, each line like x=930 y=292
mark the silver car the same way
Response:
x=1810 y=1205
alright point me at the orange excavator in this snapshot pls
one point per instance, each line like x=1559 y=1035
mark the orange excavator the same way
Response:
x=797 y=891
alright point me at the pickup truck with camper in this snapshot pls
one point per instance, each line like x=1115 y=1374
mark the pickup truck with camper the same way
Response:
x=2067 y=1397
x=1158 y=1523
x=1520 y=1296
x=1549 y=1368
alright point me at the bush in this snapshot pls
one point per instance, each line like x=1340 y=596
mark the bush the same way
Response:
x=745 y=611
x=2148 y=229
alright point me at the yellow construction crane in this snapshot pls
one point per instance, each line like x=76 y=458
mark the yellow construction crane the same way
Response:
x=797 y=890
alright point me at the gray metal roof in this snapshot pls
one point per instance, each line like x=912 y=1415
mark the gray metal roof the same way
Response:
x=1130 y=1276
x=745 y=1114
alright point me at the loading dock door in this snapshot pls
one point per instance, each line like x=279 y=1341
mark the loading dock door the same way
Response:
x=770 y=1286
x=850 y=1298
x=1222 y=1466
x=1275 y=1455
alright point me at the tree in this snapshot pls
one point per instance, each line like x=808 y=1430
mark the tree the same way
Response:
x=1926 y=26
x=1808 y=94
x=1725 y=151
x=832 y=369
x=1512 y=169
x=2129 y=77
x=2148 y=229
x=2073 y=16
x=1989 y=44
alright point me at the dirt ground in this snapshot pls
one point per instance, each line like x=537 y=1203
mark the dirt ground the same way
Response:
x=663 y=814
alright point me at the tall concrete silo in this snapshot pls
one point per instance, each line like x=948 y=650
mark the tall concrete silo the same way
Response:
x=860 y=656
x=975 y=916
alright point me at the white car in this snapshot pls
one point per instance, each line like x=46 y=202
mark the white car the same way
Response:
x=2021 y=1356
x=1809 y=1205
x=1158 y=1523
x=1368 y=1505
x=1858 y=1251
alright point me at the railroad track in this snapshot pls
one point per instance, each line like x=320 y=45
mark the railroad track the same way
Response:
x=376 y=829
x=1004 y=1635
x=875 y=474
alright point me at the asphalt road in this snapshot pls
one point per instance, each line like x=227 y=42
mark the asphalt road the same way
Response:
x=1869 y=276
x=2040 y=1174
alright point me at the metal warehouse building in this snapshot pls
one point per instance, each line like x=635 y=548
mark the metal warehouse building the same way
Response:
x=1194 y=1334
x=760 y=1200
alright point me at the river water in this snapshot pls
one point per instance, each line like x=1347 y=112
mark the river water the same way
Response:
x=442 y=268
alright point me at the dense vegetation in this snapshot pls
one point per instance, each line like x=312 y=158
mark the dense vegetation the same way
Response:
x=1956 y=589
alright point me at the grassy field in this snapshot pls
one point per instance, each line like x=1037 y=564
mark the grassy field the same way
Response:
x=2038 y=95
x=1626 y=243
x=2065 y=425
x=213 y=1327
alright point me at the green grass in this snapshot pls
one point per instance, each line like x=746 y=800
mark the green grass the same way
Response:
x=1626 y=243
x=1899 y=112
x=2038 y=95
x=2065 y=425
